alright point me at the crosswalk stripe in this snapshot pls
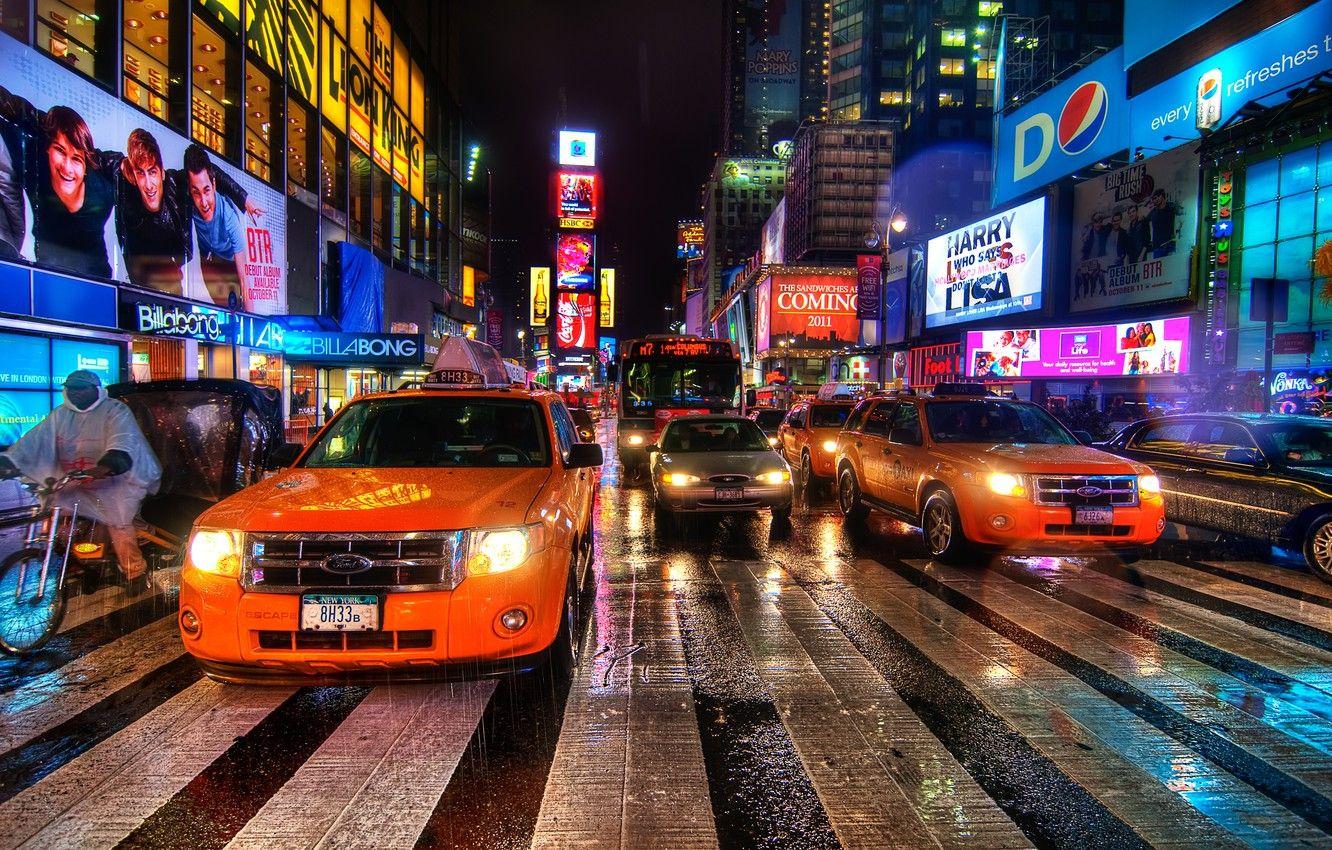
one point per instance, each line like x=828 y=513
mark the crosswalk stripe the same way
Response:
x=867 y=753
x=378 y=775
x=628 y=769
x=1292 y=742
x=166 y=751
x=1303 y=586
x=1142 y=776
x=164 y=585
x=56 y=696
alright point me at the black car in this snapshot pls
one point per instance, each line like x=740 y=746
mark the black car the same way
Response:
x=769 y=419
x=1262 y=476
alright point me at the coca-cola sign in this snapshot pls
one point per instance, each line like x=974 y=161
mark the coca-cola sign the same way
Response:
x=575 y=321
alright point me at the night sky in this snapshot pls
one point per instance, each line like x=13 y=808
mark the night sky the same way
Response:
x=646 y=76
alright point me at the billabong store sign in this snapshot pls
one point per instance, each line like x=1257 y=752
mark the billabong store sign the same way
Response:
x=351 y=348
x=147 y=314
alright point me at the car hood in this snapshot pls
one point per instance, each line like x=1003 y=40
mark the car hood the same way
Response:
x=1064 y=460
x=705 y=464
x=381 y=500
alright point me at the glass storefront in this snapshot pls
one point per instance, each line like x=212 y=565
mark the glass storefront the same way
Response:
x=34 y=369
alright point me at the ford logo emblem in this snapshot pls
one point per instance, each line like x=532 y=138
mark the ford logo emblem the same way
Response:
x=1089 y=492
x=346 y=564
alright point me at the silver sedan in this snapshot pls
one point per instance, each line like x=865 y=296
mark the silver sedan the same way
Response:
x=718 y=463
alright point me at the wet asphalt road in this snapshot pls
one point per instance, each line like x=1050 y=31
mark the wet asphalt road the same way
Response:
x=742 y=685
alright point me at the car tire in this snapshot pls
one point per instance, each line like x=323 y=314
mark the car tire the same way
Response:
x=662 y=518
x=942 y=528
x=1318 y=548
x=562 y=657
x=848 y=497
x=782 y=515
x=807 y=475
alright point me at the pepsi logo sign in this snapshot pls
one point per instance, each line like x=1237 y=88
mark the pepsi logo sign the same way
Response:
x=1083 y=117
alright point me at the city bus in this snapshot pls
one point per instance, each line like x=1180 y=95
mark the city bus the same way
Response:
x=662 y=376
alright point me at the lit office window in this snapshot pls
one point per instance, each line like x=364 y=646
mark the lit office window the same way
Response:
x=298 y=144
x=74 y=31
x=989 y=8
x=332 y=170
x=148 y=81
x=950 y=97
x=953 y=37
x=985 y=69
x=892 y=98
x=213 y=98
x=258 y=122
x=952 y=67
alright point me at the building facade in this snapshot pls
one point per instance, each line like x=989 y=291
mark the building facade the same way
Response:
x=838 y=190
x=737 y=199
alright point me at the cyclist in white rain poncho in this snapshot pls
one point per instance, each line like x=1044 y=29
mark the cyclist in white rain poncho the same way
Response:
x=97 y=435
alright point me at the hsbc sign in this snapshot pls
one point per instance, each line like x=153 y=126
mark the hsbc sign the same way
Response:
x=1081 y=121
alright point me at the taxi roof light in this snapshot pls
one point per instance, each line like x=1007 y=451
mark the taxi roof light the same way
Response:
x=467 y=364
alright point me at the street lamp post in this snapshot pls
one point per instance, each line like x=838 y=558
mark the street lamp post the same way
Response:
x=897 y=222
x=522 y=347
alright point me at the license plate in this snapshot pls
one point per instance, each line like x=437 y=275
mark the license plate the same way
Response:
x=1093 y=516
x=730 y=494
x=338 y=612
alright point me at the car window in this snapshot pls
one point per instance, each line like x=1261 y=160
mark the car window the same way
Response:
x=1211 y=440
x=856 y=420
x=908 y=417
x=769 y=418
x=1302 y=443
x=713 y=435
x=565 y=432
x=1166 y=437
x=829 y=415
x=797 y=417
x=1002 y=422
x=880 y=419
x=433 y=431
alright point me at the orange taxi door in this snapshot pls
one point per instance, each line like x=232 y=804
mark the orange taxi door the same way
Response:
x=795 y=424
x=907 y=458
x=872 y=443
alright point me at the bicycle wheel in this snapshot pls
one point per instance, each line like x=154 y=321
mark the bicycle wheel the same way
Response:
x=28 y=618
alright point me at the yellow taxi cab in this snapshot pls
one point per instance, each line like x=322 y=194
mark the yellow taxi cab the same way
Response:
x=807 y=439
x=973 y=469
x=441 y=527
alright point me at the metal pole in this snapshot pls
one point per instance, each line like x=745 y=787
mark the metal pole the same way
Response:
x=883 y=306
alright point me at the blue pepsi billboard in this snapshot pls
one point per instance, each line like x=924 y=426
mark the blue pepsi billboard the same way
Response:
x=1143 y=34
x=1081 y=121
x=1205 y=96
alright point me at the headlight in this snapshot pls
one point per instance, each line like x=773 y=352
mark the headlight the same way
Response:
x=634 y=439
x=679 y=479
x=777 y=476
x=1007 y=484
x=830 y=446
x=216 y=551
x=1149 y=484
x=772 y=441
x=498 y=550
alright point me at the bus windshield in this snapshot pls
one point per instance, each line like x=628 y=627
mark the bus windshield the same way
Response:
x=649 y=384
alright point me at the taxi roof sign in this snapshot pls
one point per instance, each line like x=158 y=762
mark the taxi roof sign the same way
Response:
x=466 y=364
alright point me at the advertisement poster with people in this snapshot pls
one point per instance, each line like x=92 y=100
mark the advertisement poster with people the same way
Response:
x=1133 y=233
x=1154 y=347
x=91 y=187
x=992 y=267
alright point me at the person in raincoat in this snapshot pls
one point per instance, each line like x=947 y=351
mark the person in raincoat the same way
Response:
x=96 y=435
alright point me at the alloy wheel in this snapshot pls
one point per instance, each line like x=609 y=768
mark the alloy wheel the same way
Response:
x=1321 y=547
x=938 y=526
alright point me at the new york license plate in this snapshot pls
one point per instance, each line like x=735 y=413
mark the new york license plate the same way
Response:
x=339 y=612
x=1093 y=516
x=730 y=494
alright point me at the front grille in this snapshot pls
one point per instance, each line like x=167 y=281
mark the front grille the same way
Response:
x=729 y=478
x=1115 y=490
x=286 y=563
x=1088 y=530
x=347 y=641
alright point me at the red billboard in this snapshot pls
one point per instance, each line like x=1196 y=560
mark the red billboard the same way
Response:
x=575 y=321
x=577 y=195
x=812 y=310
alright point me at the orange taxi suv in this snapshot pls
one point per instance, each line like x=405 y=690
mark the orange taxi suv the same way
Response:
x=807 y=439
x=441 y=527
x=975 y=470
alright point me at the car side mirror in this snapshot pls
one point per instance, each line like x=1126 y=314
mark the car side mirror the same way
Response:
x=284 y=455
x=651 y=447
x=1248 y=457
x=1083 y=437
x=904 y=437
x=584 y=455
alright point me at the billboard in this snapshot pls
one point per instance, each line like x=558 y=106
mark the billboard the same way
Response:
x=577 y=195
x=1133 y=232
x=689 y=240
x=575 y=261
x=772 y=74
x=578 y=147
x=1208 y=94
x=1154 y=347
x=989 y=268
x=1081 y=121
x=810 y=310
x=869 y=286
x=772 y=248
x=538 y=296
x=575 y=321
x=895 y=297
x=1184 y=16
x=132 y=200
x=495 y=328
x=606 y=303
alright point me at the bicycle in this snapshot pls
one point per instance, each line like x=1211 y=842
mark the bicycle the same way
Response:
x=32 y=580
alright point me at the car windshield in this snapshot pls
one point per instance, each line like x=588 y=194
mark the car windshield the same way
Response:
x=1301 y=443
x=994 y=422
x=433 y=431
x=769 y=419
x=714 y=435
x=828 y=415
